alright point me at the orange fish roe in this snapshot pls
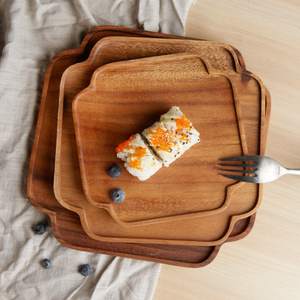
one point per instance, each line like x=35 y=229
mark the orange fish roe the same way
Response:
x=125 y=144
x=161 y=139
x=135 y=161
x=183 y=122
x=184 y=137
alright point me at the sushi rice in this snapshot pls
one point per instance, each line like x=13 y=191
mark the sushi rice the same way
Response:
x=162 y=144
x=172 y=136
x=139 y=161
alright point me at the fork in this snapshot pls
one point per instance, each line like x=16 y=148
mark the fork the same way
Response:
x=262 y=168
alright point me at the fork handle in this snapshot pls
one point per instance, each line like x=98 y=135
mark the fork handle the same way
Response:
x=293 y=172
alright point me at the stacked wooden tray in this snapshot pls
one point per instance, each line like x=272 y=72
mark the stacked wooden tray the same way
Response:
x=116 y=83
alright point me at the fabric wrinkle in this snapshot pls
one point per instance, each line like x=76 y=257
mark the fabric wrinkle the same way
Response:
x=76 y=291
x=31 y=33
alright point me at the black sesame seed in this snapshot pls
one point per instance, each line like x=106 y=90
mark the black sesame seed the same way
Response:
x=172 y=119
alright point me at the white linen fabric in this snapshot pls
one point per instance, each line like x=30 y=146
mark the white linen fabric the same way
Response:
x=31 y=33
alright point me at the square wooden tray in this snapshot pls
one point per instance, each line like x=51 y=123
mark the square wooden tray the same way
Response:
x=40 y=178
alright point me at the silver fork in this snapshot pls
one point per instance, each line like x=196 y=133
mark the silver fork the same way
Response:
x=262 y=168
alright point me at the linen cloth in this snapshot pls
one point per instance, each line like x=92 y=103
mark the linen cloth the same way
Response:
x=31 y=33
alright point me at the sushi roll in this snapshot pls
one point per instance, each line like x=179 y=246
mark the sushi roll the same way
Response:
x=162 y=142
x=172 y=136
x=138 y=157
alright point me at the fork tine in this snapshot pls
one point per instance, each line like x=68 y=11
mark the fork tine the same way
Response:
x=242 y=158
x=239 y=165
x=240 y=178
x=238 y=171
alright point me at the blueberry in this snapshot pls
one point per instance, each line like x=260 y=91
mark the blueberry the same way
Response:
x=40 y=228
x=117 y=195
x=46 y=264
x=85 y=270
x=114 y=171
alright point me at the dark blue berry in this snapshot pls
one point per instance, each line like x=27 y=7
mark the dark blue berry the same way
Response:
x=85 y=270
x=46 y=264
x=40 y=228
x=118 y=195
x=114 y=171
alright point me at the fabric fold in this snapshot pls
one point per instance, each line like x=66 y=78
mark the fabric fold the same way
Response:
x=31 y=33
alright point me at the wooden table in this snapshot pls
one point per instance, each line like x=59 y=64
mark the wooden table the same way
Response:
x=265 y=264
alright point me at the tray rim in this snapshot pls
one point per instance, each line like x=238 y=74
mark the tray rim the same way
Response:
x=234 y=219
x=89 y=61
x=91 y=88
x=55 y=215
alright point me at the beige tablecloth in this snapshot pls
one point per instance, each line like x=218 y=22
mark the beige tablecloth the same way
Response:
x=31 y=33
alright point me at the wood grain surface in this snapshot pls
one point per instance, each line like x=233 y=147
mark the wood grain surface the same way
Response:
x=127 y=97
x=266 y=264
x=41 y=172
x=67 y=178
x=118 y=86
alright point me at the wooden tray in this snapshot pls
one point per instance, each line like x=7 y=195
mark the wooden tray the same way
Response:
x=77 y=77
x=68 y=188
x=147 y=88
x=66 y=224
x=101 y=124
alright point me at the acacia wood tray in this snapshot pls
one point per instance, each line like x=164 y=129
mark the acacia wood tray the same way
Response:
x=124 y=98
x=67 y=184
x=68 y=188
x=119 y=100
x=67 y=177
x=40 y=177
